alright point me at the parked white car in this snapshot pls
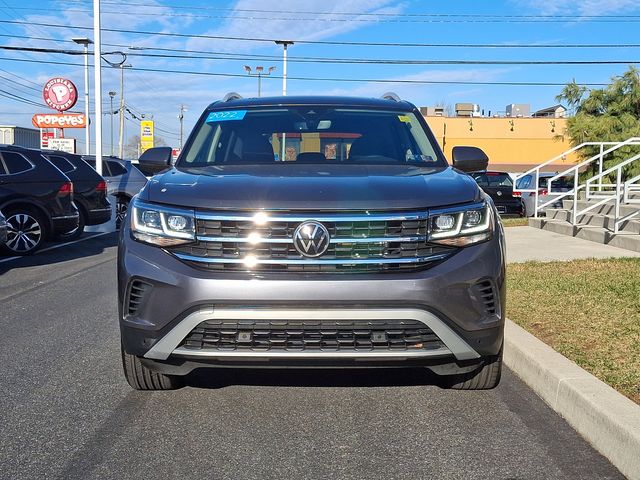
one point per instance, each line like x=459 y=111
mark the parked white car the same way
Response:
x=562 y=184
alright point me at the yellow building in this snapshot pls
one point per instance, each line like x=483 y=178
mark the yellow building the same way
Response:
x=512 y=144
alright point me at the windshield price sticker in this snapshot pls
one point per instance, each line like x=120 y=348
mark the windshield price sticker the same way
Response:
x=226 y=116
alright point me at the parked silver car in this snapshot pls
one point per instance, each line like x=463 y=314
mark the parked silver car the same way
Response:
x=3 y=229
x=124 y=180
x=563 y=184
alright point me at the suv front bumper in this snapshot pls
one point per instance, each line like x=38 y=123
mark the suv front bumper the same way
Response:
x=177 y=297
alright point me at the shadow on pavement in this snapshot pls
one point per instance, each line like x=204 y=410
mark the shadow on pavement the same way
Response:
x=84 y=249
x=216 y=378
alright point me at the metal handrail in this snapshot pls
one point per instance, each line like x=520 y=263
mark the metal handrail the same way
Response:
x=575 y=170
x=537 y=169
x=631 y=185
x=620 y=194
x=607 y=172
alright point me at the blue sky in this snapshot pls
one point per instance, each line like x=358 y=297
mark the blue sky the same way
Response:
x=524 y=22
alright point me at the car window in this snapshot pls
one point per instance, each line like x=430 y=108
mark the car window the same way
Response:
x=3 y=171
x=524 y=182
x=15 y=162
x=562 y=182
x=491 y=179
x=92 y=163
x=310 y=134
x=116 y=169
x=62 y=163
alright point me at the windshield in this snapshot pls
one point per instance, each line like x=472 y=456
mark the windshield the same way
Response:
x=309 y=134
x=493 y=179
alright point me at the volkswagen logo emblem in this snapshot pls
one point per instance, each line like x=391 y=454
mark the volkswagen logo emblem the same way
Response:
x=311 y=239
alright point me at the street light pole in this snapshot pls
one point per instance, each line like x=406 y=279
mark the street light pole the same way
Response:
x=285 y=44
x=97 y=83
x=259 y=73
x=111 y=95
x=181 y=118
x=85 y=42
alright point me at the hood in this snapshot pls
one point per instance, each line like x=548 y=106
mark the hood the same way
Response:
x=312 y=187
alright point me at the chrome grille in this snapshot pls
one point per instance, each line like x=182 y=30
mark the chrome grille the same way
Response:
x=360 y=242
x=311 y=335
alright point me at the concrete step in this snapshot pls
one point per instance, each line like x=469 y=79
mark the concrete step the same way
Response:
x=605 y=209
x=594 y=220
x=626 y=240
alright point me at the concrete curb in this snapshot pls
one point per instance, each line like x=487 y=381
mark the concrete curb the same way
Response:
x=604 y=417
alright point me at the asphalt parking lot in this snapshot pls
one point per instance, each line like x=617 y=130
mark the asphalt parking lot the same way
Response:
x=68 y=412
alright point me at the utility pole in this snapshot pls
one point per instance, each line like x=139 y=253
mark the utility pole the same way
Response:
x=111 y=95
x=183 y=109
x=121 y=145
x=85 y=42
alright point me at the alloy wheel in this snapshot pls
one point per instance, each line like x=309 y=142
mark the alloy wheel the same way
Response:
x=121 y=210
x=24 y=233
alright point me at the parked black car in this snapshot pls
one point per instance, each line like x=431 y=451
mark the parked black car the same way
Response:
x=36 y=197
x=89 y=190
x=499 y=186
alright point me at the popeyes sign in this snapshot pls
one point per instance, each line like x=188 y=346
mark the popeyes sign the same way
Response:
x=59 y=120
x=60 y=94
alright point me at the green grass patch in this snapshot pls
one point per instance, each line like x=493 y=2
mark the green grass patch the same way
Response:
x=515 y=222
x=588 y=310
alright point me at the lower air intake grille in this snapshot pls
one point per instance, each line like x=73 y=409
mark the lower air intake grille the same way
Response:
x=137 y=294
x=487 y=296
x=311 y=335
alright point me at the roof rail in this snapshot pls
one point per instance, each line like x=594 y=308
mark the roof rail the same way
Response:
x=231 y=96
x=391 y=96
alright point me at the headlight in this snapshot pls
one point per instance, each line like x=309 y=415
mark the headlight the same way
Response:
x=461 y=226
x=162 y=226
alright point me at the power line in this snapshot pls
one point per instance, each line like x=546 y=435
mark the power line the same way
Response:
x=223 y=37
x=279 y=57
x=16 y=83
x=18 y=98
x=368 y=17
x=376 y=14
x=25 y=79
x=327 y=79
x=345 y=60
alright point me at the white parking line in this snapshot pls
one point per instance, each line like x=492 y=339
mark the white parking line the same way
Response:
x=53 y=247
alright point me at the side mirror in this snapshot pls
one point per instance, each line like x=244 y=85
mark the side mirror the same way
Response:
x=469 y=159
x=155 y=160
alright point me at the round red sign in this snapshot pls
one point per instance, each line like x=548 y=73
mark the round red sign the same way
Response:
x=60 y=94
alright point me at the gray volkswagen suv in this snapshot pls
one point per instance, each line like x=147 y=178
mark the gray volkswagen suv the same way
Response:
x=312 y=232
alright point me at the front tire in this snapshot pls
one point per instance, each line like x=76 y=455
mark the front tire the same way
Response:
x=122 y=205
x=140 y=377
x=26 y=231
x=484 y=378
